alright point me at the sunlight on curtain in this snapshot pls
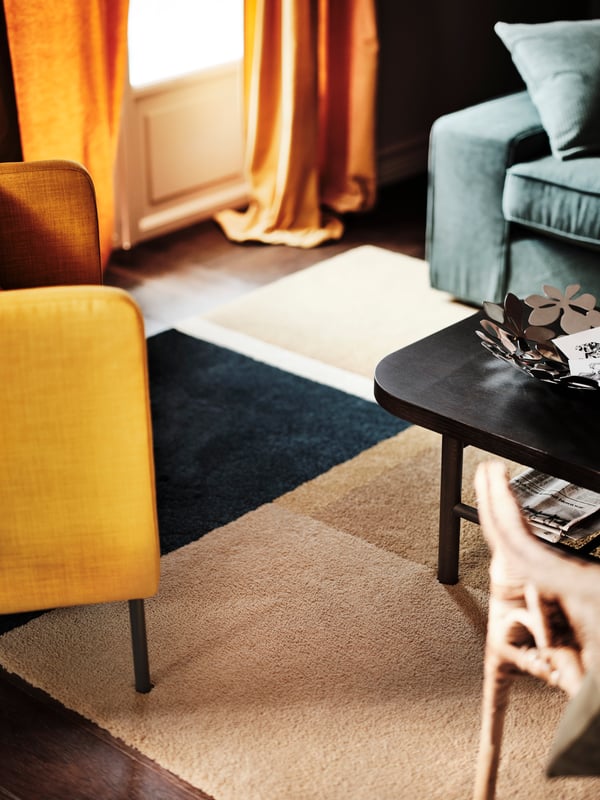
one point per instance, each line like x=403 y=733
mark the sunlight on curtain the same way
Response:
x=171 y=38
x=310 y=84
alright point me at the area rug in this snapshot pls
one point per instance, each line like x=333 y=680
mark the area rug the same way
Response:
x=302 y=648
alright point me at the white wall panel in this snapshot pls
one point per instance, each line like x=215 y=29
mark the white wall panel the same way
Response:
x=190 y=140
x=181 y=153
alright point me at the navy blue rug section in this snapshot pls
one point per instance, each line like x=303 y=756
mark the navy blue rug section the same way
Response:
x=232 y=433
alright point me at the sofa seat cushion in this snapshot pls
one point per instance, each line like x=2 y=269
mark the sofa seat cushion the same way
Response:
x=560 y=198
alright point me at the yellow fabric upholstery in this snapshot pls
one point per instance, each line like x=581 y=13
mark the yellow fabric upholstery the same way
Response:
x=78 y=512
x=48 y=225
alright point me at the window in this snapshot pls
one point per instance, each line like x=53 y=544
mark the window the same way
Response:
x=181 y=148
x=172 y=38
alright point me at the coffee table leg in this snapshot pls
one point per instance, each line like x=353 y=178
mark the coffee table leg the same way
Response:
x=450 y=496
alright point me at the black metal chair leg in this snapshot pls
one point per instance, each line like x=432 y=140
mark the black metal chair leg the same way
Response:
x=139 y=643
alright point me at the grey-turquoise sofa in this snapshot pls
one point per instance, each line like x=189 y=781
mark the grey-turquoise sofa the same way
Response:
x=514 y=182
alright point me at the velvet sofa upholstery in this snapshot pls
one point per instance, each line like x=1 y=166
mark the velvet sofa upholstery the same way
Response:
x=504 y=214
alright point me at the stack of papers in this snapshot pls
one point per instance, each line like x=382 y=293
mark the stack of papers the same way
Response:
x=556 y=508
x=583 y=351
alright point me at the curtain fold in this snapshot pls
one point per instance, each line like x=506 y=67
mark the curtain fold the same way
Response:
x=310 y=71
x=69 y=65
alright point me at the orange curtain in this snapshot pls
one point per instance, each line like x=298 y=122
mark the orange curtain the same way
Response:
x=310 y=83
x=69 y=64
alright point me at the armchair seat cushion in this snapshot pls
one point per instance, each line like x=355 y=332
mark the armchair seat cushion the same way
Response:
x=558 y=198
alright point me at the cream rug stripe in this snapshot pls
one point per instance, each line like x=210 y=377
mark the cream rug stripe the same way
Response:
x=305 y=367
x=349 y=311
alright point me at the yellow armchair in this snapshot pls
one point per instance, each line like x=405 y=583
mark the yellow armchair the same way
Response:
x=78 y=521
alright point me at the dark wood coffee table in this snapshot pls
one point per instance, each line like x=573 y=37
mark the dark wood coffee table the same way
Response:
x=448 y=383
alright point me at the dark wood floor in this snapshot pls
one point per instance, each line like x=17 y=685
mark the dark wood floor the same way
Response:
x=46 y=751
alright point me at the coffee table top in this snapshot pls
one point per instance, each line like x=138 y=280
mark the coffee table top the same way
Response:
x=450 y=384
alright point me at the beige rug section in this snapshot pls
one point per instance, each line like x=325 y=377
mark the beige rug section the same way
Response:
x=302 y=653
x=350 y=310
x=389 y=496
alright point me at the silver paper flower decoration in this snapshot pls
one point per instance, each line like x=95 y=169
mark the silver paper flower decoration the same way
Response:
x=521 y=332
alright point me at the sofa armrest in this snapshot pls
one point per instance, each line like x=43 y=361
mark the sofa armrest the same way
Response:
x=470 y=151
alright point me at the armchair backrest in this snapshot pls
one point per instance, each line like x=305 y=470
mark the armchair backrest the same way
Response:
x=48 y=225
